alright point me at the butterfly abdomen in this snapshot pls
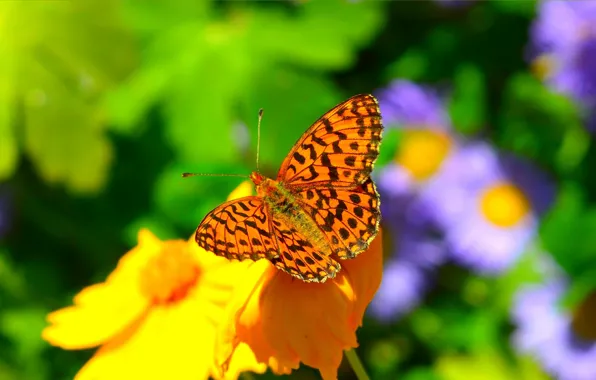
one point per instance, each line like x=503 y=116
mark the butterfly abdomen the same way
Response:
x=283 y=206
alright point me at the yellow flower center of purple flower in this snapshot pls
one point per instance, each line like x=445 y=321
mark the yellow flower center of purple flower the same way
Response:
x=504 y=204
x=584 y=317
x=543 y=66
x=168 y=276
x=422 y=152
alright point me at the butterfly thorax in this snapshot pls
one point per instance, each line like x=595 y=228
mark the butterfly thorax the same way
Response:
x=285 y=207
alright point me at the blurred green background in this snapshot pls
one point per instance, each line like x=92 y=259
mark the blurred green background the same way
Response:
x=103 y=104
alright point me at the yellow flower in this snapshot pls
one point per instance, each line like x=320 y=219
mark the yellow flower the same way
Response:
x=285 y=321
x=155 y=316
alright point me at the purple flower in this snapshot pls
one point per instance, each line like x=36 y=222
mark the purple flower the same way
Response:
x=544 y=330
x=427 y=138
x=563 y=48
x=408 y=105
x=416 y=250
x=425 y=144
x=401 y=290
x=408 y=272
x=487 y=205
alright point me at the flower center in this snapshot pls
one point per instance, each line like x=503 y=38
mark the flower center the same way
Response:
x=168 y=276
x=504 y=204
x=543 y=66
x=584 y=317
x=423 y=151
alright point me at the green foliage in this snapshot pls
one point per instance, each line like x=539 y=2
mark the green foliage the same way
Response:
x=103 y=104
x=468 y=102
x=490 y=364
x=568 y=233
x=539 y=123
x=54 y=76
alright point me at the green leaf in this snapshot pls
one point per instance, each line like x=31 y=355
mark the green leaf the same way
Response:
x=421 y=374
x=524 y=8
x=488 y=365
x=537 y=123
x=412 y=65
x=384 y=357
x=461 y=367
x=8 y=141
x=186 y=201
x=331 y=41
x=58 y=69
x=203 y=68
x=23 y=327
x=158 y=225
x=581 y=286
x=530 y=268
x=12 y=281
x=389 y=147
x=568 y=232
x=289 y=107
x=467 y=103
x=78 y=157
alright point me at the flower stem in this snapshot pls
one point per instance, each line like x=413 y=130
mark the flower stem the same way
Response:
x=356 y=364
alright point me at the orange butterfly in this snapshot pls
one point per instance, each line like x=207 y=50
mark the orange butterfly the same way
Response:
x=323 y=204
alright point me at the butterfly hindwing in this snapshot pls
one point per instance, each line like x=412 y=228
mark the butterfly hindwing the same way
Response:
x=298 y=256
x=348 y=217
x=339 y=149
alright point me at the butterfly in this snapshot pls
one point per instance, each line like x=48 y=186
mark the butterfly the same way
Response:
x=323 y=205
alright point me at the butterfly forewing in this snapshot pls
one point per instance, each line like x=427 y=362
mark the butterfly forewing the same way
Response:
x=339 y=150
x=238 y=229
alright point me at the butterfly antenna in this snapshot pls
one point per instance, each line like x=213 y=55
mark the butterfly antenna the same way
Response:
x=185 y=175
x=259 y=136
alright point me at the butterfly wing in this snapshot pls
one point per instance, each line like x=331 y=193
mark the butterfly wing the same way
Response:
x=243 y=229
x=298 y=257
x=239 y=229
x=338 y=150
x=328 y=171
x=349 y=218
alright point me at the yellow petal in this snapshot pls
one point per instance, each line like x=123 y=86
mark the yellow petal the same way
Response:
x=242 y=360
x=171 y=342
x=103 y=310
x=89 y=325
x=243 y=190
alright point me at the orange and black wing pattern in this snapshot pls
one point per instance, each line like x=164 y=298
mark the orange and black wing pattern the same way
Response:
x=349 y=218
x=298 y=256
x=238 y=229
x=243 y=229
x=338 y=150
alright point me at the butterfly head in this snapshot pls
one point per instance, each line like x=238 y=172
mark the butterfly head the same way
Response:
x=256 y=178
x=266 y=187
